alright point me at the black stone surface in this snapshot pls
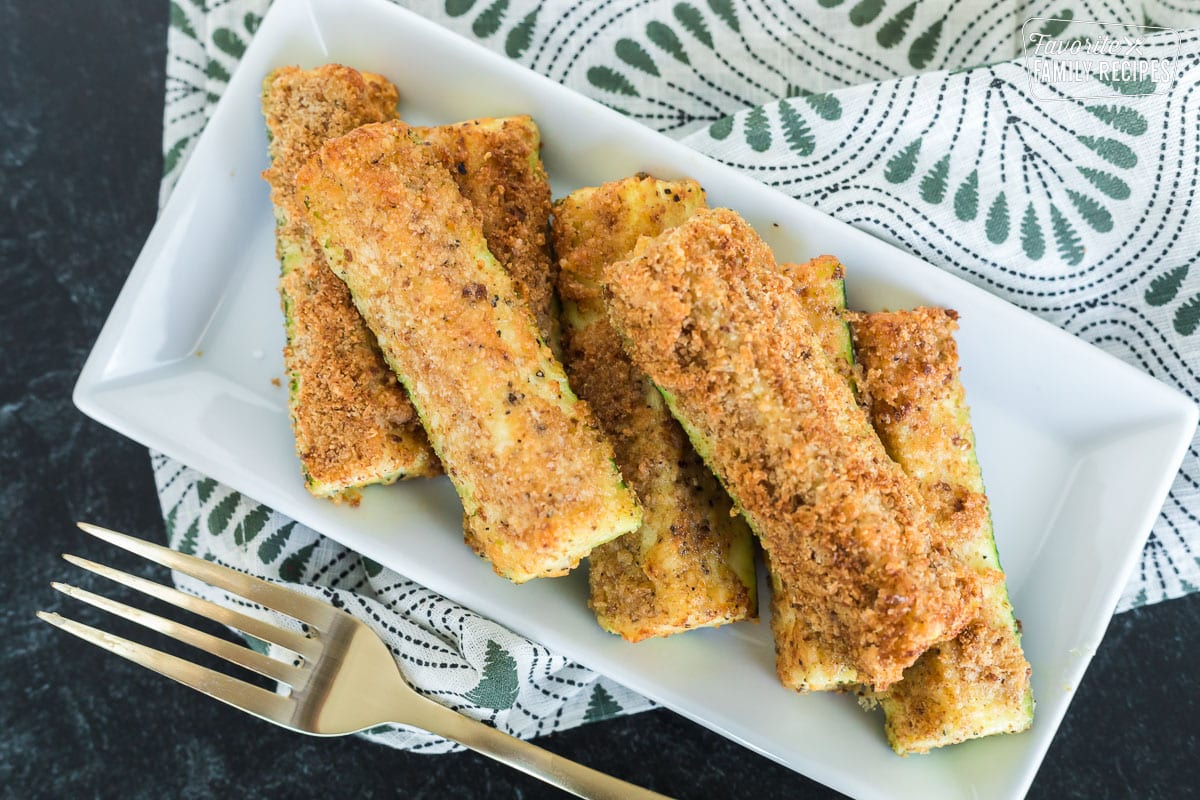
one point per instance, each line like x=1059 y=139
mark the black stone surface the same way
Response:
x=81 y=91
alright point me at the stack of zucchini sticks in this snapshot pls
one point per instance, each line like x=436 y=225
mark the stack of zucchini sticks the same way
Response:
x=629 y=376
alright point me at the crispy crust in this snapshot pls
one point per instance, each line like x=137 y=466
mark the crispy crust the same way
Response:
x=498 y=168
x=352 y=420
x=703 y=310
x=536 y=476
x=820 y=282
x=978 y=683
x=691 y=564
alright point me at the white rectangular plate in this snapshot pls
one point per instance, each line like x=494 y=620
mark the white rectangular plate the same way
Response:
x=1078 y=448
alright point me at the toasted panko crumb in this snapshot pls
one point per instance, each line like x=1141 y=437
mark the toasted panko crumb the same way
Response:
x=977 y=684
x=820 y=284
x=703 y=311
x=536 y=477
x=692 y=562
x=352 y=421
x=498 y=168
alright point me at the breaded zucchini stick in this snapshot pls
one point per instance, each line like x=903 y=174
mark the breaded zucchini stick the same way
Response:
x=497 y=165
x=977 y=684
x=537 y=479
x=821 y=284
x=351 y=418
x=691 y=564
x=703 y=310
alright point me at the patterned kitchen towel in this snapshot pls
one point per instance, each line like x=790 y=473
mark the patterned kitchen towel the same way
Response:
x=447 y=653
x=911 y=119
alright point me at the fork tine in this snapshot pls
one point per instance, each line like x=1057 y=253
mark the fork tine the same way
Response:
x=296 y=642
x=239 y=694
x=294 y=604
x=236 y=654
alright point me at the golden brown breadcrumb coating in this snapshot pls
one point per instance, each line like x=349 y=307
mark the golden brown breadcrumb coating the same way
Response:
x=692 y=563
x=498 y=168
x=535 y=475
x=820 y=282
x=977 y=684
x=703 y=310
x=352 y=420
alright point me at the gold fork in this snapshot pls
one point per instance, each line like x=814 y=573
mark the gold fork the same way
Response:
x=346 y=679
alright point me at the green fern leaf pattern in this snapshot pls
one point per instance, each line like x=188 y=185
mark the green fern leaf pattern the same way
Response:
x=216 y=71
x=1114 y=152
x=229 y=42
x=273 y=545
x=725 y=10
x=371 y=567
x=251 y=22
x=1187 y=316
x=865 y=12
x=636 y=56
x=180 y=22
x=1032 y=241
x=924 y=47
x=611 y=81
x=1121 y=118
x=1130 y=87
x=891 y=33
x=171 y=159
x=826 y=105
x=758 y=130
x=1092 y=212
x=966 y=199
x=222 y=513
x=721 y=129
x=901 y=166
x=601 y=705
x=251 y=525
x=997 y=224
x=933 y=185
x=1163 y=288
x=490 y=20
x=187 y=545
x=830 y=3
x=1070 y=249
x=204 y=489
x=497 y=688
x=1106 y=182
x=691 y=19
x=256 y=644
x=796 y=131
x=663 y=36
x=1054 y=27
x=456 y=8
x=292 y=567
x=521 y=36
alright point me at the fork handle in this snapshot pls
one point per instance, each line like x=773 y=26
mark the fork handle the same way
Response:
x=567 y=775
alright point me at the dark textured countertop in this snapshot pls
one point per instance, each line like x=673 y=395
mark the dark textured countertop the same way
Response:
x=81 y=93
